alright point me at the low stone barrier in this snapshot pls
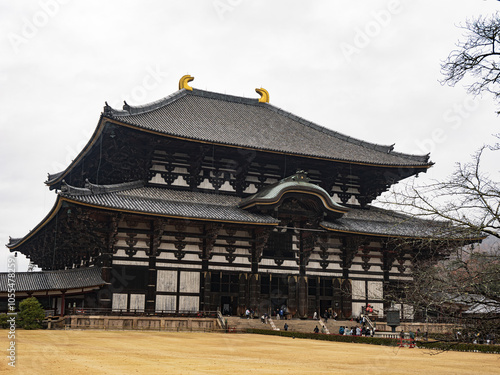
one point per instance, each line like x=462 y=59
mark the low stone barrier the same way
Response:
x=140 y=323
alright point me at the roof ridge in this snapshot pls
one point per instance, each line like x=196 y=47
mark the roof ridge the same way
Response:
x=72 y=270
x=129 y=110
x=94 y=189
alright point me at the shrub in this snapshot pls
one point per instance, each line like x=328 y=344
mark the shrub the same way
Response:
x=31 y=314
x=432 y=345
x=3 y=321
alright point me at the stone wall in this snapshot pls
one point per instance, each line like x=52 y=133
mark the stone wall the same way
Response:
x=140 y=323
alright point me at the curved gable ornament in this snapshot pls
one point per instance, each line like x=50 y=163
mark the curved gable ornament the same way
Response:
x=264 y=95
x=183 y=82
x=296 y=185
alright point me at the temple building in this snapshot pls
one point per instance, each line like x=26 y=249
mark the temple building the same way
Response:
x=203 y=201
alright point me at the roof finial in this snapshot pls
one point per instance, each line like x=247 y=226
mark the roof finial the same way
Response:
x=264 y=95
x=107 y=109
x=183 y=82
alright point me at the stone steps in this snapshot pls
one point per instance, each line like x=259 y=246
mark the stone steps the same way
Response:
x=295 y=325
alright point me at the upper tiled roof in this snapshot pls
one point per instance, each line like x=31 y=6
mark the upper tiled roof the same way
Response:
x=225 y=119
x=167 y=202
x=54 y=280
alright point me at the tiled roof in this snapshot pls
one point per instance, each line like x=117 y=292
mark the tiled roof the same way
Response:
x=381 y=222
x=160 y=201
x=134 y=197
x=220 y=207
x=225 y=119
x=53 y=280
x=298 y=182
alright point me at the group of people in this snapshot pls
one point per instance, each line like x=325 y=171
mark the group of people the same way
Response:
x=328 y=314
x=476 y=338
x=281 y=313
x=264 y=317
x=411 y=334
x=356 y=331
x=249 y=313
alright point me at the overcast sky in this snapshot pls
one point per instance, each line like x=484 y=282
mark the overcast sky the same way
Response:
x=369 y=69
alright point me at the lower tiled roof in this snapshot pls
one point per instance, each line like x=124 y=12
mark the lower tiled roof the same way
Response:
x=175 y=203
x=53 y=280
x=380 y=222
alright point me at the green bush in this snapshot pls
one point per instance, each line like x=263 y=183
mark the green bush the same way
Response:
x=433 y=345
x=31 y=314
x=338 y=338
x=3 y=321
x=459 y=347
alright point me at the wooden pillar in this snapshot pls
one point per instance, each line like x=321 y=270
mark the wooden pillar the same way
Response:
x=63 y=303
x=302 y=296
x=157 y=229
x=254 y=291
x=105 y=294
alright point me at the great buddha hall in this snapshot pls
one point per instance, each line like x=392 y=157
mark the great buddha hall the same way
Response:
x=204 y=201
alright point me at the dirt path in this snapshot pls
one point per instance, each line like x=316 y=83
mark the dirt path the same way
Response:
x=117 y=352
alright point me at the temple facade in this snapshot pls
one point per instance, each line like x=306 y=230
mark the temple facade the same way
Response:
x=203 y=201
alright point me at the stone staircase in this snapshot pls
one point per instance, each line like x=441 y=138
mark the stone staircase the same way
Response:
x=294 y=325
x=272 y=324
x=327 y=331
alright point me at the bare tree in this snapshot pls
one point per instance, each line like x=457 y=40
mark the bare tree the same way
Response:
x=464 y=290
x=477 y=56
x=469 y=199
x=457 y=282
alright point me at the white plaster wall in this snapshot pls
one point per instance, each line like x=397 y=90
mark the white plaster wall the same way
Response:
x=166 y=281
x=165 y=303
x=379 y=307
x=205 y=184
x=356 y=308
x=188 y=303
x=375 y=290
x=189 y=282
x=119 y=301
x=358 y=289
x=228 y=268
x=376 y=269
x=226 y=186
x=121 y=253
x=356 y=267
x=179 y=181
x=251 y=189
x=137 y=302
x=319 y=273
x=130 y=263
x=140 y=253
x=179 y=265
x=408 y=312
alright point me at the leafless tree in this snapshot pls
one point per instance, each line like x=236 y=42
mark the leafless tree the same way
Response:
x=477 y=56
x=458 y=282
x=469 y=199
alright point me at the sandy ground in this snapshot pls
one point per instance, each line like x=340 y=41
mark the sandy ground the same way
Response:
x=118 y=352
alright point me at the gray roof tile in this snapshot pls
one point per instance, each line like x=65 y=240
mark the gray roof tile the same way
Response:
x=224 y=119
x=53 y=280
x=380 y=222
x=160 y=201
